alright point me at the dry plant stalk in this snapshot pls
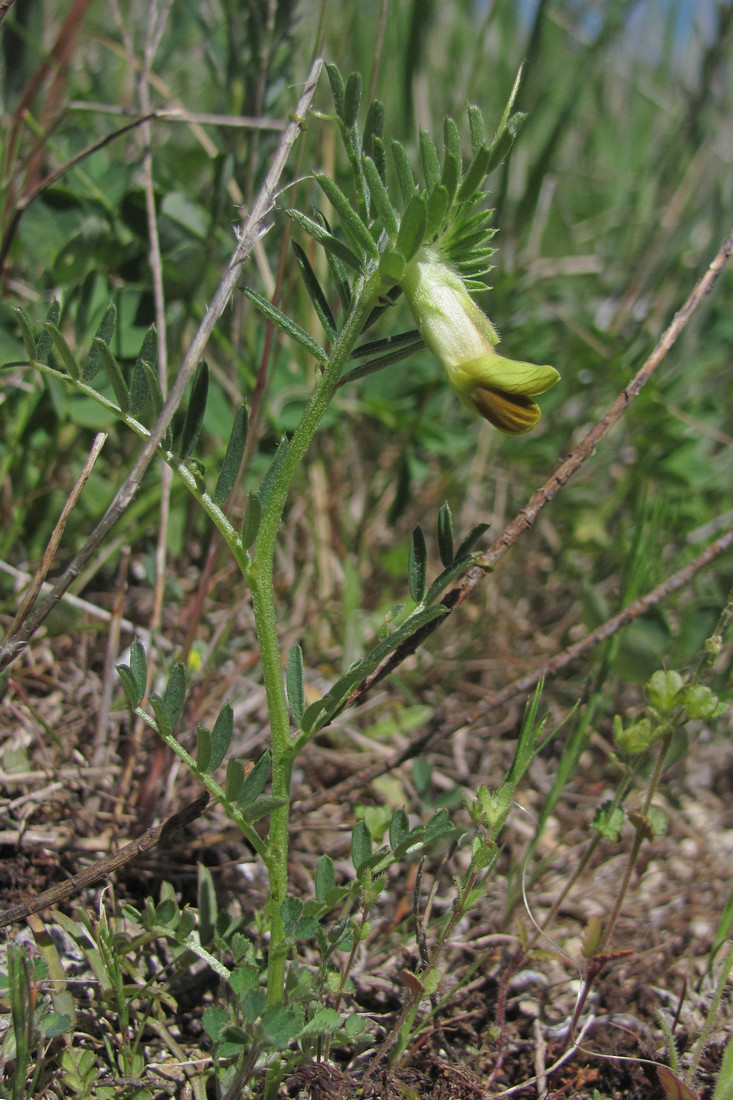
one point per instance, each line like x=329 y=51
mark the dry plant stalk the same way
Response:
x=253 y=227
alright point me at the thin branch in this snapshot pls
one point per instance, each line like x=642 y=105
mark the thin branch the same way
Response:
x=587 y=446
x=639 y=607
x=53 y=177
x=157 y=20
x=100 y=614
x=104 y=867
x=180 y=114
x=49 y=553
x=252 y=229
x=56 y=64
x=527 y=515
x=102 y=748
x=525 y=683
x=378 y=46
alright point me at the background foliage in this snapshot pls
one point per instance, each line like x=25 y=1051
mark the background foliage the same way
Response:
x=613 y=202
x=616 y=197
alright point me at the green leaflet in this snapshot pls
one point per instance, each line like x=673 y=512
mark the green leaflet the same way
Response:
x=295 y=683
x=477 y=127
x=475 y=175
x=337 y=88
x=273 y=470
x=438 y=204
x=315 y=292
x=352 y=99
x=384 y=352
x=405 y=178
x=417 y=563
x=26 y=332
x=63 y=350
x=356 y=231
x=287 y=325
x=255 y=782
x=412 y=227
x=429 y=158
x=251 y=520
x=139 y=669
x=445 y=535
x=114 y=374
x=379 y=197
x=319 y=713
x=451 y=142
x=232 y=458
x=322 y=235
x=373 y=144
x=44 y=341
x=105 y=332
x=140 y=386
x=221 y=736
x=194 y=412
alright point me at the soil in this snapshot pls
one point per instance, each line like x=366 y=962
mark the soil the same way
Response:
x=70 y=794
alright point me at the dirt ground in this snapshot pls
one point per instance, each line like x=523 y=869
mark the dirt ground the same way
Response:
x=69 y=795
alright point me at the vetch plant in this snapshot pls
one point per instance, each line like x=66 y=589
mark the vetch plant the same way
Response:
x=435 y=247
x=431 y=242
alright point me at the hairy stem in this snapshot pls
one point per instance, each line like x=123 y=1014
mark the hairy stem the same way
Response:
x=260 y=576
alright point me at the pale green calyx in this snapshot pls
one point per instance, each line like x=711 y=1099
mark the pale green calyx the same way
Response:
x=464 y=339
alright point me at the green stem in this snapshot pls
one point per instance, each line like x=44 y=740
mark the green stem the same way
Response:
x=184 y=469
x=260 y=576
x=215 y=790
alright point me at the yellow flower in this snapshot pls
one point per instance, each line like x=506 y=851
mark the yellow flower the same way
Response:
x=464 y=339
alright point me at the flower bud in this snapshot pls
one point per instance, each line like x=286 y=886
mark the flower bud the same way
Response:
x=637 y=737
x=664 y=690
x=464 y=339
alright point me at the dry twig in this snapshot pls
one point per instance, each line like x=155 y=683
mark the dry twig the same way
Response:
x=104 y=867
x=252 y=229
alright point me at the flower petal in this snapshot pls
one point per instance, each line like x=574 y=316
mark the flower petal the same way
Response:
x=513 y=413
x=463 y=338
x=509 y=375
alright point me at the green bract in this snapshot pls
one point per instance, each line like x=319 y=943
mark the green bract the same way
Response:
x=464 y=339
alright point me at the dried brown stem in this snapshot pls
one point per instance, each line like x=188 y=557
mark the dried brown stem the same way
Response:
x=251 y=231
x=525 y=683
x=104 y=867
x=157 y=19
x=49 y=553
x=639 y=607
x=181 y=114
